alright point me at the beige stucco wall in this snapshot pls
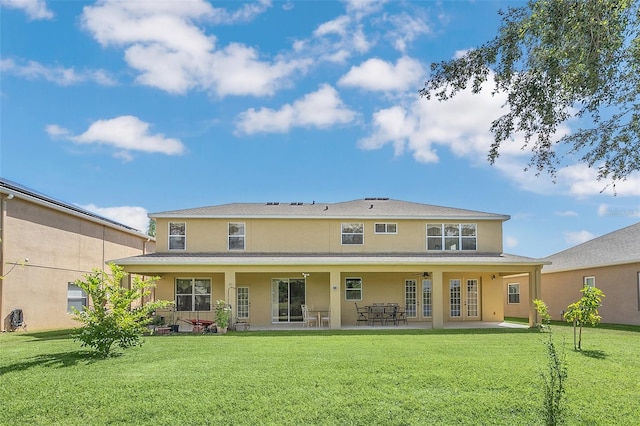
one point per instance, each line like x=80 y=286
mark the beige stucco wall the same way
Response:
x=378 y=287
x=316 y=235
x=61 y=248
x=619 y=283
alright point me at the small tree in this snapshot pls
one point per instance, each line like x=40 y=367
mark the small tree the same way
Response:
x=543 y=313
x=111 y=321
x=584 y=311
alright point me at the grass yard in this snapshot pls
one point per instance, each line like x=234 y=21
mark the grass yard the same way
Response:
x=360 y=377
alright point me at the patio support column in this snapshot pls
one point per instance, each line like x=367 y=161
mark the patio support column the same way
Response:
x=437 y=310
x=230 y=284
x=335 y=321
x=535 y=292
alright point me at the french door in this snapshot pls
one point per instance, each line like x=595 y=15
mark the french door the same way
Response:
x=412 y=302
x=287 y=298
x=242 y=303
x=464 y=299
x=411 y=298
x=427 y=299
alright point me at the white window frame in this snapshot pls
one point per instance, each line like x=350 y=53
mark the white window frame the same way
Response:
x=183 y=236
x=589 y=281
x=193 y=293
x=242 y=303
x=516 y=293
x=385 y=227
x=239 y=236
x=351 y=234
x=82 y=297
x=348 y=290
x=456 y=238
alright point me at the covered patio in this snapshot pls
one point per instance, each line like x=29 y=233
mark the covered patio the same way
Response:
x=268 y=291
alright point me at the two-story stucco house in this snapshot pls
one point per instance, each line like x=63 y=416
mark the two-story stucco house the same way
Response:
x=47 y=244
x=267 y=260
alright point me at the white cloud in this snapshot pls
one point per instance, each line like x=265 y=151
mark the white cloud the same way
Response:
x=511 y=242
x=578 y=237
x=407 y=29
x=582 y=181
x=127 y=133
x=621 y=211
x=35 y=9
x=462 y=125
x=603 y=210
x=338 y=39
x=378 y=75
x=566 y=213
x=56 y=131
x=135 y=217
x=56 y=74
x=338 y=26
x=397 y=126
x=321 y=109
x=165 y=44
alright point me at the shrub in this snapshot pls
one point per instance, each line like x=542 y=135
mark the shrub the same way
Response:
x=110 y=321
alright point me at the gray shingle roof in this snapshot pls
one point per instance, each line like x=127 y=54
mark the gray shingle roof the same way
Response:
x=363 y=208
x=13 y=188
x=618 y=247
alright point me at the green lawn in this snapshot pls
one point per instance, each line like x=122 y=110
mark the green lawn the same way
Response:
x=368 y=377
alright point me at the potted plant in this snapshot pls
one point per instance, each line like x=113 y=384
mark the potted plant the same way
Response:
x=223 y=314
x=174 y=326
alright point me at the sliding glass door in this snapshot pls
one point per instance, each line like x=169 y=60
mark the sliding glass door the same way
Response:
x=287 y=297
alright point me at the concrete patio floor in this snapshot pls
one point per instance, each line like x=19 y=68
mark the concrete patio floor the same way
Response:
x=410 y=326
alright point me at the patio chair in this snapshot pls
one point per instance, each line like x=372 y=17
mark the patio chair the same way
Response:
x=376 y=313
x=16 y=320
x=401 y=316
x=324 y=319
x=306 y=319
x=389 y=313
x=362 y=313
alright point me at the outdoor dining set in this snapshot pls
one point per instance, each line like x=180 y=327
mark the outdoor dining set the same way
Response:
x=382 y=313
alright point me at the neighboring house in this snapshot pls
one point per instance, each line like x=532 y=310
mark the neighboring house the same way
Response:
x=267 y=260
x=45 y=245
x=610 y=262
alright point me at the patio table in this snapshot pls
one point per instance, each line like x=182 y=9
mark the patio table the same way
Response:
x=383 y=313
x=318 y=314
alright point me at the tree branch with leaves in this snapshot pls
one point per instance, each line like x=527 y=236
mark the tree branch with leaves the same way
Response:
x=559 y=60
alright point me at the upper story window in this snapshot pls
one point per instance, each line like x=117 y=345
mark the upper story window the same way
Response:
x=386 y=228
x=589 y=282
x=353 y=233
x=451 y=236
x=236 y=236
x=177 y=235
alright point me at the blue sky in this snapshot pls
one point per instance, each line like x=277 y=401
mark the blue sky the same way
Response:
x=132 y=107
